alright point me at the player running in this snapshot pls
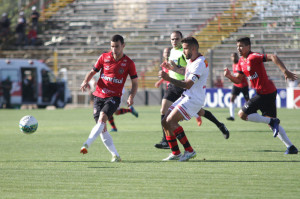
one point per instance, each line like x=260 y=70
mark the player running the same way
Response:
x=237 y=88
x=251 y=65
x=114 y=68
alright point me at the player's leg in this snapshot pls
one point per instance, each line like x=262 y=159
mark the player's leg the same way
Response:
x=208 y=115
x=109 y=108
x=171 y=141
x=234 y=92
x=263 y=103
x=98 y=128
x=111 y=121
x=170 y=124
x=165 y=104
x=269 y=110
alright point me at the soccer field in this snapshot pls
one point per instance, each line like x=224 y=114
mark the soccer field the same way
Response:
x=47 y=164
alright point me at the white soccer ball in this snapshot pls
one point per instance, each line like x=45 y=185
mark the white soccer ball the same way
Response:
x=28 y=124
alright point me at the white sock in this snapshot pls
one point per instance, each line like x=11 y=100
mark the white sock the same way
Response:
x=108 y=142
x=255 y=117
x=283 y=137
x=95 y=132
x=231 y=109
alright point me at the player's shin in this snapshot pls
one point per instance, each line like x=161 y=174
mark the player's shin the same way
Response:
x=283 y=137
x=180 y=135
x=255 y=117
x=109 y=144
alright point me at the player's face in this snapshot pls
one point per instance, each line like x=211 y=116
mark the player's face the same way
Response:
x=176 y=40
x=242 y=49
x=187 y=50
x=166 y=53
x=117 y=48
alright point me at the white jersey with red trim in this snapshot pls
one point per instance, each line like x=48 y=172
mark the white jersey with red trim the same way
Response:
x=197 y=71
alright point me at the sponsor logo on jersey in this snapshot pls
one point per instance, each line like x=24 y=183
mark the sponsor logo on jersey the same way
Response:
x=125 y=60
x=123 y=64
x=112 y=79
x=106 y=67
x=121 y=71
x=254 y=76
x=106 y=60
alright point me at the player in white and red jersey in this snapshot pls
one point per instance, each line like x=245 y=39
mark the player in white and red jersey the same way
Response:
x=114 y=68
x=237 y=88
x=189 y=104
x=251 y=65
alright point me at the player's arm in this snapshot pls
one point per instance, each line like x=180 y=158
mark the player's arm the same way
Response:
x=85 y=83
x=172 y=66
x=183 y=84
x=134 y=87
x=235 y=79
x=288 y=74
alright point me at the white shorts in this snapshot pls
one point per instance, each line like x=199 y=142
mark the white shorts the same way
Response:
x=187 y=106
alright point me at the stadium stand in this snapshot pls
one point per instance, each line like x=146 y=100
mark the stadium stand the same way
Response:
x=79 y=31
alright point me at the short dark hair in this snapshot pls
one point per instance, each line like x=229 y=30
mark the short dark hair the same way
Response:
x=190 y=41
x=178 y=32
x=117 y=38
x=244 y=40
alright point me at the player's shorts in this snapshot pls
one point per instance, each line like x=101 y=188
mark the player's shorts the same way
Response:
x=173 y=93
x=265 y=103
x=187 y=106
x=237 y=90
x=107 y=105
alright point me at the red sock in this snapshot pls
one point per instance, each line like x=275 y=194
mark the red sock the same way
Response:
x=112 y=122
x=122 y=111
x=179 y=133
x=173 y=144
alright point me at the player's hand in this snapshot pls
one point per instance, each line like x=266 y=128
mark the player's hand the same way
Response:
x=157 y=84
x=289 y=75
x=84 y=85
x=226 y=72
x=163 y=75
x=130 y=101
x=166 y=65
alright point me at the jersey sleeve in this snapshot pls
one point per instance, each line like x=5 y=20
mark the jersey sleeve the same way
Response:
x=257 y=58
x=132 y=70
x=239 y=68
x=197 y=70
x=99 y=64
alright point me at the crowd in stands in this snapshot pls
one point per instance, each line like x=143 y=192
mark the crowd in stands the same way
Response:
x=25 y=33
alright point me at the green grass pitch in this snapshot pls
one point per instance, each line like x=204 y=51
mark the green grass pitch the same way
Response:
x=47 y=164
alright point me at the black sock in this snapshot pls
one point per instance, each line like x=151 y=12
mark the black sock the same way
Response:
x=164 y=135
x=208 y=115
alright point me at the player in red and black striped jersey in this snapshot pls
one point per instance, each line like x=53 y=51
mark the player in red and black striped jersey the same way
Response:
x=237 y=88
x=251 y=65
x=114 y=67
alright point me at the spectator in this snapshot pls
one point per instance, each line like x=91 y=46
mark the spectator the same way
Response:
x=35 y=17
x=4 y=26
x=6 y=87
x=32 y=36
x=20 y=31
x=219 y=82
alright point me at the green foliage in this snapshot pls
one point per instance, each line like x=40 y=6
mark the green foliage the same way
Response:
x=47 y=164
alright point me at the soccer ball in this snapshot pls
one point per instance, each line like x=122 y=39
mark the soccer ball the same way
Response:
x=28 y=124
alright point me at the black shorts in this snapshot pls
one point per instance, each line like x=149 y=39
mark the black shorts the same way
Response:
x=265 y=103
x=237 y=90
x=173 y=93
x=107 y=105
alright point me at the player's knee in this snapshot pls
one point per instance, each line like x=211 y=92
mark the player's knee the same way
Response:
x=242 y=115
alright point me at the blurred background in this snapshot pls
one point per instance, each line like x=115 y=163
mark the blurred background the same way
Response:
x=69 y=36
